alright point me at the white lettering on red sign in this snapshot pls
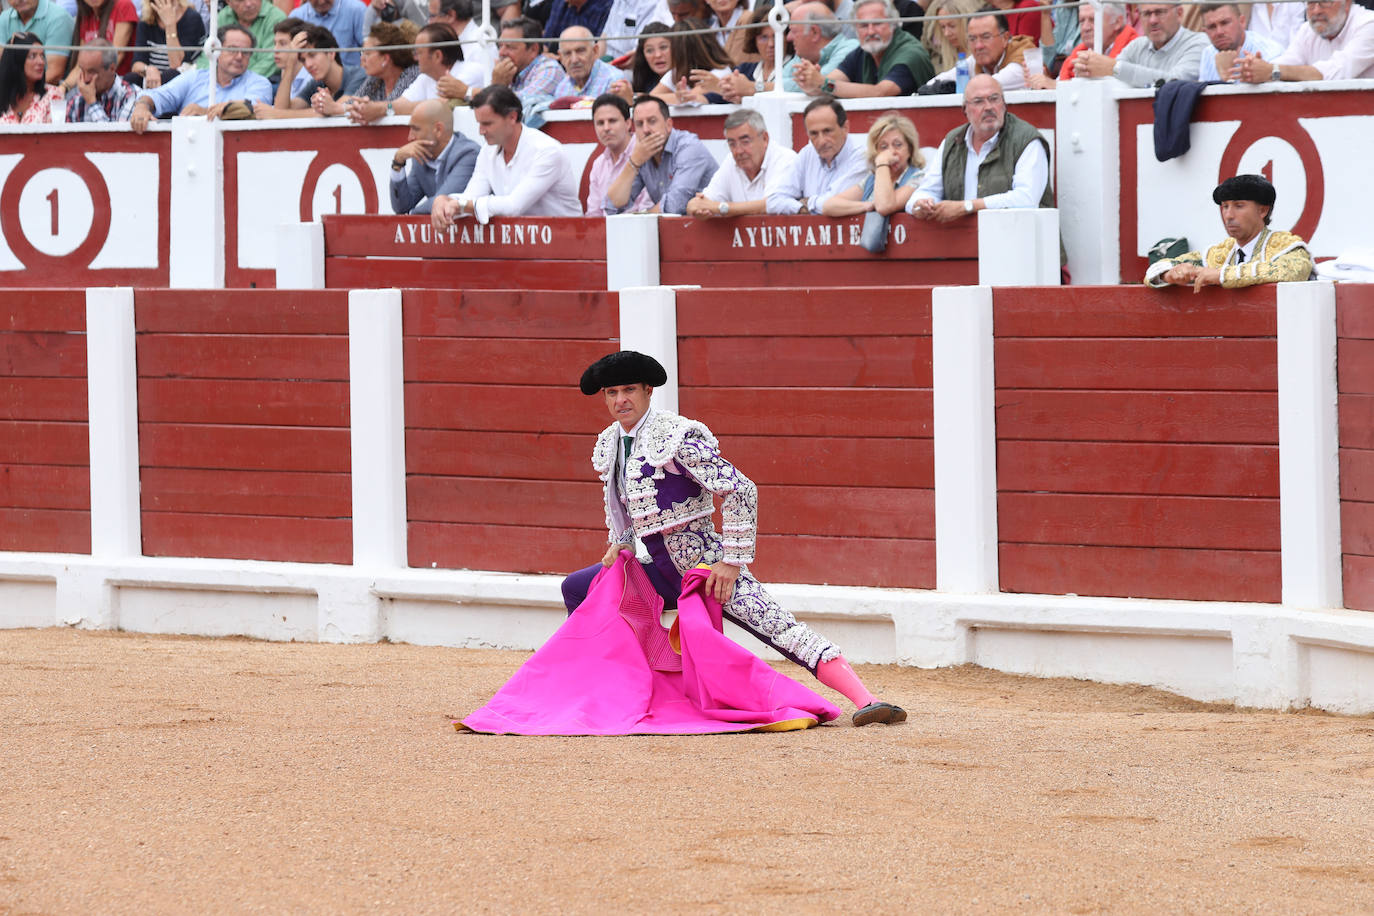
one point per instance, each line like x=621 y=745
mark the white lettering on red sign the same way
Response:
x=472 y=233
x=815 y=235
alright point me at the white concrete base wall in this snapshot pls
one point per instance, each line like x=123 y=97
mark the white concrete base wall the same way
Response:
x=1255 y=655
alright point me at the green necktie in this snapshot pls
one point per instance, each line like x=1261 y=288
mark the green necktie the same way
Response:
x=628 y=442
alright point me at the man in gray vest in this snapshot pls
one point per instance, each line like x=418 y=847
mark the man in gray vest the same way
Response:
x=996 y=162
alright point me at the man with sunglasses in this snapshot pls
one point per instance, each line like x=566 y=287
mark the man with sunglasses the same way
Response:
x=189 y=94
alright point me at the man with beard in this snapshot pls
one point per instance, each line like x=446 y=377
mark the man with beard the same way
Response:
x=1335 y=43
x=887 y=62
x=997 y=161
x=1167 y=51
x=1251 y=254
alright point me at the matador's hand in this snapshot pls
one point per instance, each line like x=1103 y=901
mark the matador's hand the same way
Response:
x=721 y=583
x=611 y=553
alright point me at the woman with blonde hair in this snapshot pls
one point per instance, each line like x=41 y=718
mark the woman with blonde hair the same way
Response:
x=945 y=39
x=894 y=155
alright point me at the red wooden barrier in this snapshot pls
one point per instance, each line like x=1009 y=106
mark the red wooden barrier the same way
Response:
x=1355 y=400
x=243 y=424
x=1138 y=442
x=45 y=503
x=498 y=437
x=822 y=397
x=523 y=253
x=802 y=251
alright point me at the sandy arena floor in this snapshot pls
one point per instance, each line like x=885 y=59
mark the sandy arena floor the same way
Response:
x=147 y=774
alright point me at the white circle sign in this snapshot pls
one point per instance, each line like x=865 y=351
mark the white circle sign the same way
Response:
x=56 y=211
x=338 y=190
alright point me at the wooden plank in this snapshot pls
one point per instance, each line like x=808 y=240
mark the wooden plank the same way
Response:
x=1358 y=576
x=255 y=492
x=1165 y=469
x=43 y=354
x=241 y=356
x=1138 y=521
x=60 y=310
x=1357 y=474
x=43 y=399
x=522 y=239
x=1355 y=420
x=23 y=442
x=504 y=548
x=791 y=362
x=247 y=537
x=279 y=448
x=882 y=412
x=1355 y=366
x=800 y=312
x=1140 y=572
x=1134 y=311
x=246 y=402
x=1129 y=416
x=37 y=486
x=354 y=273
x=476 y=453
x=520 y=409
x=509 y=313
x=884 y=563
x=811 y=239
x=837 y=274
x=1212 y=364
x=1355 y=310
x=45 y=530
x=241 y=311
x=1357 y=528
x=500 y=361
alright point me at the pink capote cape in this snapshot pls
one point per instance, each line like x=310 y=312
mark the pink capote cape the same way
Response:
x=610 y=669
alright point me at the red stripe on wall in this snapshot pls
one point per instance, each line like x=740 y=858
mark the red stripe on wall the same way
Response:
x=372 y=273
x=45 y=530
x=889 y=412
x=44 y=311
x=42 y=398
x=37 y=486
x=1355 y=404
x=475 y=453
x=885 y=562
x=23 y=442
x=1135 y=311
x=312 y=312
x=1139 y=521
x=37 y=353
x=1155 y=469
x=247 y=537
x=208 y=446
x=241 y=356
x=561 y=409
x=1140 y=572
x=244 y=402
x=775 y=273
x=828 y=313
x=247 y=492
x=793 y=362
x=502 y=362
x=1129 y=416
x=522 y=548
x=859 y=460
x=511 y=313
x=1164 y=364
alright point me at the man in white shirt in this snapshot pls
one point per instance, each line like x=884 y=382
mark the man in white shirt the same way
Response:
x=831 y=162
x=521 y=172
x=740 y=185
x=1335 y=43
x=996 y=161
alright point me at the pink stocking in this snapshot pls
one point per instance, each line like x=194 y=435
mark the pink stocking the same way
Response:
x=837 y=675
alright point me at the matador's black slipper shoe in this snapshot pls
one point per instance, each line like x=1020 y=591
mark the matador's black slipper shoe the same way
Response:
x=879 y=713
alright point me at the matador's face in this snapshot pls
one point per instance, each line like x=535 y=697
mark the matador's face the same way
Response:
x=627 y=403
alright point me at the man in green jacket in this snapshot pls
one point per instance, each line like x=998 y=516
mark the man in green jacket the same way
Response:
x=887 y=62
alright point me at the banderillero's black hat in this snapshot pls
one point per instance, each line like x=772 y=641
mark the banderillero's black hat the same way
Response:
x=1245 y=187
x=626 y=367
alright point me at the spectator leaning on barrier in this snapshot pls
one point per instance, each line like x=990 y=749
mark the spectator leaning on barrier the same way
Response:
x=611 y=120
x=672 y=165
x=164 y=23
x=434 y=161
x=894 y=155
x=44 y=19
x=329 y=79
x=585 y=75
x=996 y=51
x=1251 y=254
x=1166 y=51
x=389 y=73
x=261 y=18
x=435 y=55
x=343 y=18
x=831 y=162
x=524 y=67
x=189 y=94
x=740 y=185
x=996 y=161
x=1335 y=43
x=101 y=94
x=520 y=172
x=888 y=61
x=1225 y=28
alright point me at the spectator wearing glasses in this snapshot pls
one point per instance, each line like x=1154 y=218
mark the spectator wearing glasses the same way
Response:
x=1165 y=51
x=189 y=94
x=1335 y=43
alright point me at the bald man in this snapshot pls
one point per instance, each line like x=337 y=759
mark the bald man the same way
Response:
x=435 y=160
x=587 y=76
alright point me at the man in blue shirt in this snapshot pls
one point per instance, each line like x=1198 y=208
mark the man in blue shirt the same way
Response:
x=189 y=94
x=831 y=162
x=672 y=165
x=52 y=24
x=1225 y=27
x=590 y=14
x=586 y=74
x=344 y=18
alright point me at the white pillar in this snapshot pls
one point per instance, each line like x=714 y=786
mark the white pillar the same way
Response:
x=196 y=258
x=631 y=250
x=1018 y=248
x=648 y=323
x=1309 y=466
x=965 y=440
x=112 y=395
x=300 y=256
x=1088 y=178
x=377 y=420
x=776 y=109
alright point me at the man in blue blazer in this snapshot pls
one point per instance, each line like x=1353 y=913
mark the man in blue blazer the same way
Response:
x=435 y=161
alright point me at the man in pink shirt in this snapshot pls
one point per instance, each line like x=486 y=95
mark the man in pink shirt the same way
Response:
x=611 y=119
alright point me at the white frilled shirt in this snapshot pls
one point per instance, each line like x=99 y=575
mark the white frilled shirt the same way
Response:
x=538 y=180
